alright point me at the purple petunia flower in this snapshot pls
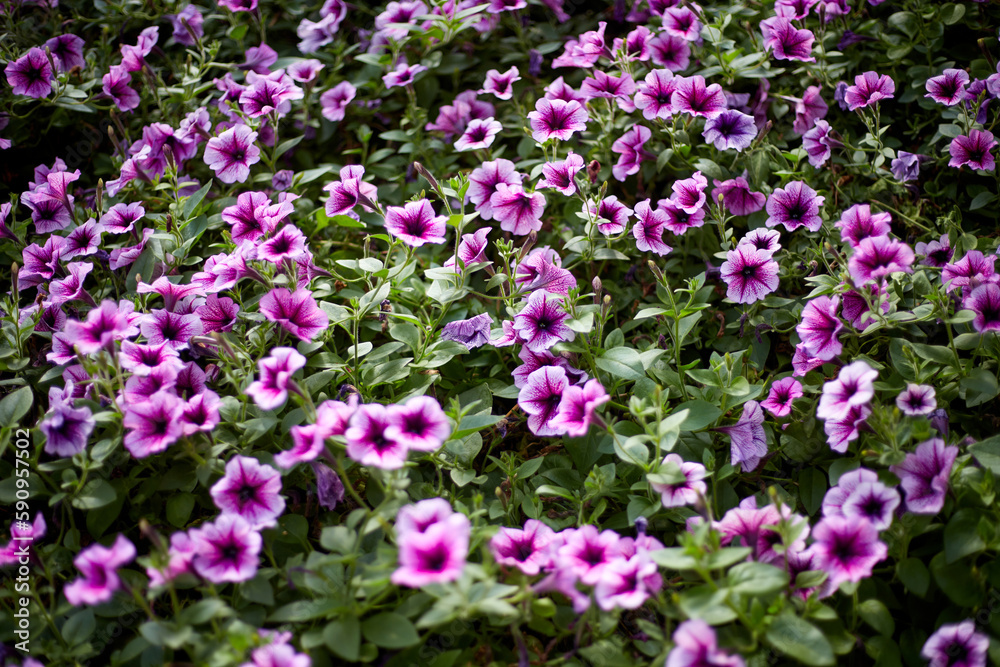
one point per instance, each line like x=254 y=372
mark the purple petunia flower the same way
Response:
x=347 y=193
x=654 y=95
x=809 y=110
x=783 y=393
x=471 y=250
x=576 y=408
x=334 y=101
x=730 y=129
x=501 y=85
x=768 y=240
x=862 y=497
x=956 y=645
x=854 y=387
x=226 y=550
x=154 y=424
x=856 y=310
x=31 y=74
x=916 y=400
x=67 y=52
x=618 y=89
x=786 y=41
x=541 y=397
x=936 y=253
x=402 y=75
x=121 y=218
x=948 y=88
x=847 y=549
x=105 y=324
x=841 y=432
x=561 y=175
x=693 y=96
x=231 y=154
x=217 y=314
x=631 y=151
x=368 y=440
x=984 y=301
x=819 y=143
x=796 y=205
x=906 y=166
x=471 y=333
x=296 y=312
x=557 y=119
x=924 y=476
x=695 y=645
x=749 y=274
x=271 y=390
x=479 y=133
x=415 y=223
x=586 y=552
x=876 y=257
x=174 y=329
x=670 y=51
x=973 y=269
x=687 y=487
x=541 y=323
x=858 y=223
x=99 y=566
x=187 y=25
x=868 y=89
x=611 y=215
x=483 y=183
x=420 y=424
x=66 y=428
x=517 y=211
x=527 y=549
x=251 y=491
x=628 y=583
x=435 y=555
x=682 y=22
x=648 y=230
x=973 y=150
x=269 y=94
x=749 y=442
x=737 y=196
x=144 y=359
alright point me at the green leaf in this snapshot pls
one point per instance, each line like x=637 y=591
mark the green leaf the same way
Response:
x=622 y=362
x=812 y=488
x=390 y=630
x=800 y=639
x=14 y=406
x=343 y=637
x=79 y=627
x=673 y=558
x=987 y=452
x=981 y=386
x=981 y=200
x=165 y=634
x=95 y=493
x=952 y=13
x=757 y=579
x=191 y=203
x=700 y=415
x=876 y=615
x=179 y=507
x=914 y=575
x=960 y=535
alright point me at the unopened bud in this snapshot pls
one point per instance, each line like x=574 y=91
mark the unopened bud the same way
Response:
x=593 y=169
x=528 y=244
x=99 y=197
x=13 y=279
x=422 y=170
x=656 y=271
x=598 y=288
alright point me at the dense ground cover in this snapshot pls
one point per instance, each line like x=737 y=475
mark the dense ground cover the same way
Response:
x=509 y=333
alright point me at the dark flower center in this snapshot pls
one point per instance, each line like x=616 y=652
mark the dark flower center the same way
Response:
x=246 y=493
x=434 y=561
x=230 y=552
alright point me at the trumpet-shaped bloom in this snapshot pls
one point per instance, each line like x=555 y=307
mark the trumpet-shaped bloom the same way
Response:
x=231 y=154
x=484 y=181
x=631 y=151
x=369 y=440
x=868 y=89
x=973 y=150
x=750 y=274
x=527 y=549
x=576 y=409
x=415 y=223
x=695 y=97
x=956 y=645
x=561 y=175
x=847 y=548
x=796 y=205
x=858 y=223
x=501 y=85
x=276 y=370
x=916 y=400
x=737 y=196
x=749 y=442
x=687 y=488
x=695 y=645
x=984 y=301
x=154 y=424
x=542 y=321
x=296 y=312
x=557 y=119
x=226 y=550
x=877 y=257
x=420 y=424
x=99 y=566
x=653 y=96
x=479 y=133
x=783 y=393
x=731 y=129
x=854 y=387
x=648 y=230
x=518 y=211
x=541 y=397
x=31 y=74
x=948 y=88
x=435 y=555
x=786 y=41
x=250 y=490
x=66 y=428
x=924 y=476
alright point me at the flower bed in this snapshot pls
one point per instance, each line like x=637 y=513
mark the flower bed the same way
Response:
x=516 y=332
